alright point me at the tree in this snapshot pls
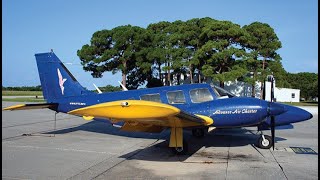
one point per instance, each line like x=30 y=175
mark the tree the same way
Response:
x=159 y=54
x=110 y=88
x=178 y=51
x=252 y=67
x=154 y=82
x=93 y=56
x=221 y=51
x=279 y=73
x=261 y=40
x=23 y=88
x=113 y=50
x=306 y=82
x=186 y=41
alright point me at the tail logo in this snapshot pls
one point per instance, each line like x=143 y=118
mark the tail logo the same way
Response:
x=61 y=81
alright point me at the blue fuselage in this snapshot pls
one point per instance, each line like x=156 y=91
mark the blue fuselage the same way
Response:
x=226 y=112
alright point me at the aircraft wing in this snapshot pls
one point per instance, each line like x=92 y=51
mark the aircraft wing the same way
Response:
x=52 y=106
x=140 y=115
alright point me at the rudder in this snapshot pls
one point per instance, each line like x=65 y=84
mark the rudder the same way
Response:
x=56 y=80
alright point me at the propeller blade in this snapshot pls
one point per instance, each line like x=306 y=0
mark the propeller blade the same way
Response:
x=272 y=117
x=272 y=130
x=263 y=91
x=274 y=110
x=272 y=89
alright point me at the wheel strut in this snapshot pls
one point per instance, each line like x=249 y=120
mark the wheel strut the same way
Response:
x=176 y=141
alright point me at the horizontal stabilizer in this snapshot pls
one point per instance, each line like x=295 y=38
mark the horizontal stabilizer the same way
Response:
x=52 y=106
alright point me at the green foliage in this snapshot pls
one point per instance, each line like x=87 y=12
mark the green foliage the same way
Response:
x=154 y=82
x=21 y=93
x=23 y=88
x=110 y=88
x=279 y=74
x=221 y=50
x=306 y=82
x=261 y=43
x=24 y=99
x=114 y=50
x=261 y=39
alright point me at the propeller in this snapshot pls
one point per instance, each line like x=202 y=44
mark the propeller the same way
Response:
x=272 y=124
x=272 y=130
x=274 y=109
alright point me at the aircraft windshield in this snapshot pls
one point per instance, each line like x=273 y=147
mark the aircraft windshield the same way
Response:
x=220 y=92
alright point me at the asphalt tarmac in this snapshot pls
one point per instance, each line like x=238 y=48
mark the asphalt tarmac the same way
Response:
x=79 y=149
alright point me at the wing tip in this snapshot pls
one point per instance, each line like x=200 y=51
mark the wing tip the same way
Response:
x=208 y=120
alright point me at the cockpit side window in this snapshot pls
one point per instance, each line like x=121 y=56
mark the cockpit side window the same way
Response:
x=151 y=97
x=176 y=97
x=200 y=95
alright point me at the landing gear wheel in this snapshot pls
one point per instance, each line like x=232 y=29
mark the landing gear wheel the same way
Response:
x=199 y=132
x=180 y=150
x=265 y=143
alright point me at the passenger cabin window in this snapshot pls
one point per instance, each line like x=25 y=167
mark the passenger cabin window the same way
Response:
x=151 y=97
x=200 y=95
x=176 y=97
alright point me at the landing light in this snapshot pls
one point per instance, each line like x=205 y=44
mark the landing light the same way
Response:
x=124 y=104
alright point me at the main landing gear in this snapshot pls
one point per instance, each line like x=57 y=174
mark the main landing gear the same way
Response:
x=265 y=142
x=180 y=146
x=177 y=144
x=180 y=150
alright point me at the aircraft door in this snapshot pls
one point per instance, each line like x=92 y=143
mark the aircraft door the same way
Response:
x=201 y=95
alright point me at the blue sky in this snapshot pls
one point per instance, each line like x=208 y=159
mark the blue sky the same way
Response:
x=36 y=26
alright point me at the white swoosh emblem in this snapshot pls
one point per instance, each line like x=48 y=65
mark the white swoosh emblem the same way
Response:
x=61 y=81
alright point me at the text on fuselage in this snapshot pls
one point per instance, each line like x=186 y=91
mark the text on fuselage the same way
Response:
x=237 y=111
x=77 y=103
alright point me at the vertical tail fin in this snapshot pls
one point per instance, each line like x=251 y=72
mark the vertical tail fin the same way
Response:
x=56 y=80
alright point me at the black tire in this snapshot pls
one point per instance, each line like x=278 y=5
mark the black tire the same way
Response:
x=181 y=151
x=198 y=132
x=265 y=145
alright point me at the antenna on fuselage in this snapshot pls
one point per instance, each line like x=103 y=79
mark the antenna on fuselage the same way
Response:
x=123 y=87
x=99 y=91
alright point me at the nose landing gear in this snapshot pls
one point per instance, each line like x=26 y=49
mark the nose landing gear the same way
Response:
x=265 y=142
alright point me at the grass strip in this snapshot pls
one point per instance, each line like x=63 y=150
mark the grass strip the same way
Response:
x=23 y=99
x=21 y=93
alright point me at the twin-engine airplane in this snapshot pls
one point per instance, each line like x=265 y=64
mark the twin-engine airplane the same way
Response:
x=195 y=106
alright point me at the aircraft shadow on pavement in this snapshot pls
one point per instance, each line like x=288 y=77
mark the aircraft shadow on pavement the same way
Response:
x=159 y=151
x=106 y=128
